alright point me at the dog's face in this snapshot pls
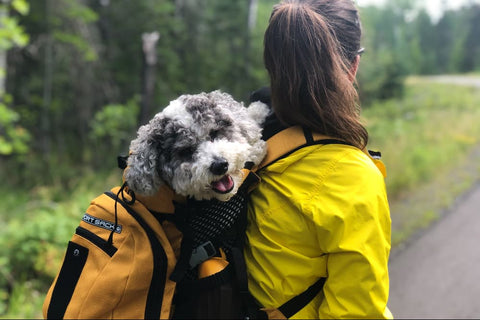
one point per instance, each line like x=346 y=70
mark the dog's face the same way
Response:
x=197 y=145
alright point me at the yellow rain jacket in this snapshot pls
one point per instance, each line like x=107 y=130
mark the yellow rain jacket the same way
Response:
x=321 y=212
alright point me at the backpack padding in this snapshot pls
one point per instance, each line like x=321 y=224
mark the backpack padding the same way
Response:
x=157 y=286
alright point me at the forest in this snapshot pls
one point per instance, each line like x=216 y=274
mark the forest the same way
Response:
x=78 y=77
x=77 y=80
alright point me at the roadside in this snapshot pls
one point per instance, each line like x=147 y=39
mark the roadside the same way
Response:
x=434 y=273
x=430 y=201
x=462 y=80
x=437 y=275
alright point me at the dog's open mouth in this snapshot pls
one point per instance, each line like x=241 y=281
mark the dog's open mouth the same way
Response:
x=224 y=185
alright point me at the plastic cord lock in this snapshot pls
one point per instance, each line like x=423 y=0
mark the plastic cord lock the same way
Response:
x=201 y=253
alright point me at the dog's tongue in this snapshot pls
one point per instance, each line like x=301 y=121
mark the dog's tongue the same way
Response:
x=223 y=185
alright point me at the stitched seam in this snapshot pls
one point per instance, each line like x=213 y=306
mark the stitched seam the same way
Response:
x=327 y=172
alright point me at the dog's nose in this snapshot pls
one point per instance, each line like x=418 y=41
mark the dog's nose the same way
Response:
x=219 y=166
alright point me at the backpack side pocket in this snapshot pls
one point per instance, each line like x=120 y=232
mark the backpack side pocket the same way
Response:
x=96 y=240
x=73 y=263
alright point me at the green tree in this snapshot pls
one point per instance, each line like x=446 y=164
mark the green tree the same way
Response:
x=472 y=41
x=13 y=137
x=421 y=38
x=444 y=37
x=383 y=65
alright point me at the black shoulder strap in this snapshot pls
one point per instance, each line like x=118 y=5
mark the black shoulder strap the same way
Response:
x=297 y=303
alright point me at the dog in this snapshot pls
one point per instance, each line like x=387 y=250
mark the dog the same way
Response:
x=198 y=146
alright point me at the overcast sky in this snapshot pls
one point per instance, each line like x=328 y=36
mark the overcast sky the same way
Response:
x=434 y=7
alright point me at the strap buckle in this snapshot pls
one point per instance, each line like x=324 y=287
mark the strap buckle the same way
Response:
x=202 y=253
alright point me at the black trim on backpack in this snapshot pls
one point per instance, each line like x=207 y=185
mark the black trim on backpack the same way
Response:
x=72 y=268
x=297 y=303
x=96 y=240
x=122 y=161
x=153 y=307
x=308 y=135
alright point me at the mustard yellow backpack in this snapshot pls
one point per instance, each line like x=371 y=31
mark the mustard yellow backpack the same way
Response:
x=118 y=262
x=166 y=257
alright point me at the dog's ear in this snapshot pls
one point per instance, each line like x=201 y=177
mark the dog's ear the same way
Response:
x=258 y=111
x=141 y=173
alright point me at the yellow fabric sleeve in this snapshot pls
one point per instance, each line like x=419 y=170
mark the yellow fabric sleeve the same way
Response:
x=354 y=228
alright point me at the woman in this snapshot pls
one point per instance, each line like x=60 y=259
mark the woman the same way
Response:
x=321 y=212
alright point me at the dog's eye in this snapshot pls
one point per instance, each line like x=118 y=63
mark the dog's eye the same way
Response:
x=214 y=134
x=186 y=152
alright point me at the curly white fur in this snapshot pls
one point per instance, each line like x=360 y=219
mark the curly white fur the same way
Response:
x=195 y=142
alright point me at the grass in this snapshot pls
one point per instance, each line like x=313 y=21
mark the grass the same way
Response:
x=37 y=226
x=430 y=142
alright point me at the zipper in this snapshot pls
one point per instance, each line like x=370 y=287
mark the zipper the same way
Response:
x=96 y=240
x=157 y=286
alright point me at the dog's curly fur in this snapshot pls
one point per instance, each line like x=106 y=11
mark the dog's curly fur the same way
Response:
x=197 y=145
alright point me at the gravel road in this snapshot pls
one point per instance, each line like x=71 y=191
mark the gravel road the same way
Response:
x=438 y=275
x=471 y=81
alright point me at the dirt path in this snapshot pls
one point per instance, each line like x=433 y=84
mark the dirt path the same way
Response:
x=471 y=81
x=437 y=275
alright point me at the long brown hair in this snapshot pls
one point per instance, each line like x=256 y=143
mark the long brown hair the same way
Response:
x=309 y=48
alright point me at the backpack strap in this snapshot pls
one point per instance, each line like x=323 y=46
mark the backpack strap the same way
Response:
x=297 y=303
x=291 y=139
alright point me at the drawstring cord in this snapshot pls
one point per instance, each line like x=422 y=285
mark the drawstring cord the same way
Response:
x=132 y=201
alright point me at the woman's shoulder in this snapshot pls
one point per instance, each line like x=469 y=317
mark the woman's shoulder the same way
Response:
x=349 y=186
x=321 y=167
x=335 y=157
x=341 y=167
x=349 y=165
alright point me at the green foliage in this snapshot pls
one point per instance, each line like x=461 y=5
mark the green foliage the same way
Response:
x=115 y=123
x=21 y=6
x=380 y=77
x=382 y=68
x=13 y=137
x=77 y=42
x=11 y=33
x=31 y=248
x=426 y=139
x=417 y=134
x=37 y=225
x=401 y=40
x=75 y=11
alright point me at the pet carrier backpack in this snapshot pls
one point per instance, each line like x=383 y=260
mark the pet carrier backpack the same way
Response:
x=223 y=292
x=165 y=256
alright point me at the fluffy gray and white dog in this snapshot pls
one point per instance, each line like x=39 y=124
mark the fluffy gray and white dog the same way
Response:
x=198 y=146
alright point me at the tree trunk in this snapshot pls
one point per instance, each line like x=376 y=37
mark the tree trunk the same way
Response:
x=3 y=60
x=149 y=41
x=251 y=21
x=252 y=14
x=47 y=85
